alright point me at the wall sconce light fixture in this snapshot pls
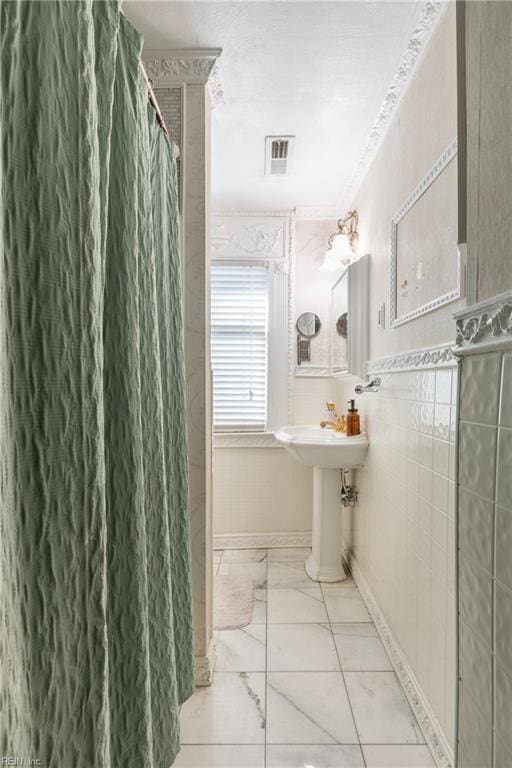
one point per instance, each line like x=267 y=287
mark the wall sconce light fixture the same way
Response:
x=342 y=248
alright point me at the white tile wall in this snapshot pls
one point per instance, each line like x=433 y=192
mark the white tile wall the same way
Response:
x=485 y=570
x=264 y=490
x=260 y=490
x=310 y=396
x=403 y=531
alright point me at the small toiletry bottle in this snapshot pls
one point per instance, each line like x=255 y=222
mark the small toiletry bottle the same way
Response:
x=352 y=420
x=330 y=412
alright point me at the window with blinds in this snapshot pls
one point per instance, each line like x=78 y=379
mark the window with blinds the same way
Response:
x=239 y=346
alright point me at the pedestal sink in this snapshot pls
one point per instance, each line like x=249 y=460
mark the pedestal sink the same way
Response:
x=328 y=452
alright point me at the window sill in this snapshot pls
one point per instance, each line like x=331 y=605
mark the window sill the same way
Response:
x=245 y=440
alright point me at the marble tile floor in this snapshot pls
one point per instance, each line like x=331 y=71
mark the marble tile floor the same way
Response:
x=307 y=684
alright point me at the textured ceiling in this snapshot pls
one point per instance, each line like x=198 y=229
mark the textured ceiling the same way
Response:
x=317 y=70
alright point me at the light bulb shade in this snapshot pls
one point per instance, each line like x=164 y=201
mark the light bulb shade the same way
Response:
x=338 y=255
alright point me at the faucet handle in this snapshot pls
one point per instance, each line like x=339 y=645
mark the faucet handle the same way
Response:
x=373 y=386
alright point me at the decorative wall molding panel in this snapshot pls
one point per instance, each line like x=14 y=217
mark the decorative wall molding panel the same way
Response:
x=216 y=86
x=182 y=66
x=434 y=736
x=204 y=666
x=251 y=235
x=415 y=47
x=415 y=360
x=262 y=540
x=245 y=440
x=488 y=323
x=454 y=292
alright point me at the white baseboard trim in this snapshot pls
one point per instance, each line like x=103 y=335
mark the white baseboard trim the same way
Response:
x=204 y=666
x=261 y=540
x=434 y=735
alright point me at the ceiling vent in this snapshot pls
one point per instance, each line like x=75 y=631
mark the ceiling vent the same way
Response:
x=278 y=154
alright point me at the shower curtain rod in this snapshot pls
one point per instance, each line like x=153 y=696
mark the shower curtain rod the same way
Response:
x=153 y=100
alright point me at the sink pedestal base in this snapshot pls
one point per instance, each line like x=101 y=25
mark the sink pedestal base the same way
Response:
x=324 y=563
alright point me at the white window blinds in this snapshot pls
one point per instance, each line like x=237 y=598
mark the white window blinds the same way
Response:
x=239 y=346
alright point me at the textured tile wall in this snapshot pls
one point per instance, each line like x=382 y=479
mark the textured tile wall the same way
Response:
x=260 y=490
x=264 y=490
x=403 y=531
x=485 y=561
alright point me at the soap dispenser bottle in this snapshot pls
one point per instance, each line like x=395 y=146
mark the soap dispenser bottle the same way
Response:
x=352 y=420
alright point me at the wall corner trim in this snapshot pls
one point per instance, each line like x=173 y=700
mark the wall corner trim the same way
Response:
x=204 y=666
x=487 y=324
x=434 y=736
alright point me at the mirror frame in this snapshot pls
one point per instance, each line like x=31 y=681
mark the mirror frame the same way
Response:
x=334 y=335
x=313 y=335
x=358 y=278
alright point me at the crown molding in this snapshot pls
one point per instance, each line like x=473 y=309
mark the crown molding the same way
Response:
x=192 y=65
x=216 y=86
x=486 y=324
x=432 y=12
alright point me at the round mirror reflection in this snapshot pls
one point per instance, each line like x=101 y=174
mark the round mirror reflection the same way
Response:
x=341 y=325
x=308 y=325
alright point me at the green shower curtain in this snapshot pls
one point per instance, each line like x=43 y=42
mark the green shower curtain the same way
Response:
x=96 y=629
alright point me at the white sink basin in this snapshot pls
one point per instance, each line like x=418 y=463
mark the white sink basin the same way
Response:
x=327 y=452
x=325 y=448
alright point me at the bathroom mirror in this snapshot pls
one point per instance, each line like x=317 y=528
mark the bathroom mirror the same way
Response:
x=308 y=325
x=342 y=325
x=349 y=320
x=339 y=324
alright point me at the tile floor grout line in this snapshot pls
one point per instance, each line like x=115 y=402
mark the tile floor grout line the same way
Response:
x=304 y=744
x=264 y=745
x=344 y=681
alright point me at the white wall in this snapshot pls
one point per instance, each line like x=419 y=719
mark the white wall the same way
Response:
x=402 y=534
x=423 y=126
x=312 y=287
x=264 y=490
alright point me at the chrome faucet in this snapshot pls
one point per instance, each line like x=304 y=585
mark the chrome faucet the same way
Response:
x=373 y=386
x=338 y=425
